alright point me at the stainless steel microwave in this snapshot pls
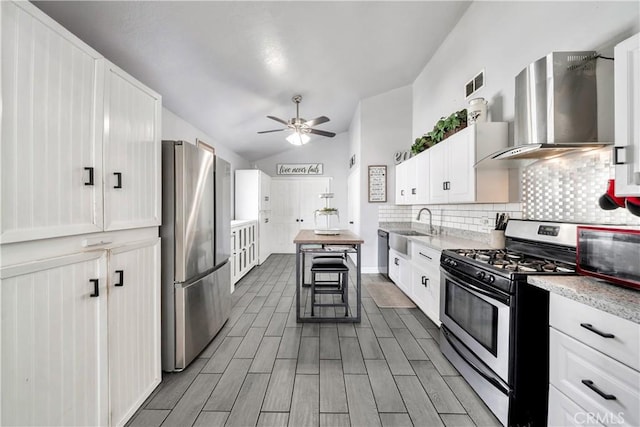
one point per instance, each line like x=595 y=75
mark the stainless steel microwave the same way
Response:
x=612 y=254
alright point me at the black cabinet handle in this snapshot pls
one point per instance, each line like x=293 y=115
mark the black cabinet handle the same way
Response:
x=602 y=394
x=402 y=192
x=413 y=191
x=96 y=291
x=616 y=155
x=424 y=281
x=90 y=176
x=395 y=261
x=301 y=220
x=595 y=331
x=350 y=222
x=120 y=274
x=297 y=220
x=119 y=177
x=426 y=256
x=444 y=185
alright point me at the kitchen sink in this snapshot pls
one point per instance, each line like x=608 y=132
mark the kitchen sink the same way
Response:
x=398 y=239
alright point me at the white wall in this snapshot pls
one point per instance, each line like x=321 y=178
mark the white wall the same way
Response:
x=176 y=128
x=384 y=125
x=504 y=37
x=333 y=153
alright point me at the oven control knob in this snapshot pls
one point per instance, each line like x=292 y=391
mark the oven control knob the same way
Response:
x=491 y=279
x=480 y=275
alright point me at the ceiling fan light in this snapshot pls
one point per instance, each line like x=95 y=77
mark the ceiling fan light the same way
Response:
x=297 y=138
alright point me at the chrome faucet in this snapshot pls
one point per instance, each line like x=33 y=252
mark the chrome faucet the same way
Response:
x=431 y=229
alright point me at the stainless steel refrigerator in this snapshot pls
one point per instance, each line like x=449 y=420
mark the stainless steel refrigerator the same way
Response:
x=195 y=231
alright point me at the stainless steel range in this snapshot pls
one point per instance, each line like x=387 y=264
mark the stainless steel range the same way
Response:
x=495 y=325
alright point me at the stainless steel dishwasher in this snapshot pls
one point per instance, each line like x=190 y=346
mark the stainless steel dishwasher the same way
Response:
x=383 y=253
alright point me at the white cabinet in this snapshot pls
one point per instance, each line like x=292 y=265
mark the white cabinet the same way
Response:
x=412 y=180
x=400 y=271
x=80 y=146
x=452 y=177
x=593 y=364
x=243 y=248
x=51 y=151
x=425 y=280
x=627 y=111
x=294 y=202
x=132 y=155
x=133 y=300
x=253 y=201
x=81 y=336
x=54 y=342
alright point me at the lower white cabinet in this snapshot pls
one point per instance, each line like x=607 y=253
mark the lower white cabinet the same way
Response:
x=244 y=248
x=418 y=276
x=592 y=366
x=77 y=348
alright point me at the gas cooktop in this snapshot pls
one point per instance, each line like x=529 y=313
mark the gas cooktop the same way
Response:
x=514 y=261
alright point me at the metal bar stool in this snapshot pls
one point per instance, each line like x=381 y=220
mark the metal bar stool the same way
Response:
x=330 y=265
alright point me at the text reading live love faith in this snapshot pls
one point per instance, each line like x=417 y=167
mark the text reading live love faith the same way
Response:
x=299 y=169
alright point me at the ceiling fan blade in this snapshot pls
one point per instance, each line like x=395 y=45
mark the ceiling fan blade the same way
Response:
x=274 y=130
x=322 y=133
x=284 y=122
x=317 y=121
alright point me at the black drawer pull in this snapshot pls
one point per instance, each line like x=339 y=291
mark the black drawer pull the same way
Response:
x=120 y=274
x=119 y=177
x=602 y=394
x=413 y=191
x=395 y=261
x=426 y=256
x=96 y=291
x=590 y=327
x=90 y=176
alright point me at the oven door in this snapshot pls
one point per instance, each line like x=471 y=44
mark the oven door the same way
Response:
x=479 y=317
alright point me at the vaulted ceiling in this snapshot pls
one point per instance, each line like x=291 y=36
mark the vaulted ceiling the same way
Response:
x=225 y=65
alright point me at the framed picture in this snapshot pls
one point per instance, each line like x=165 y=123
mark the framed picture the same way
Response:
x=377 y=184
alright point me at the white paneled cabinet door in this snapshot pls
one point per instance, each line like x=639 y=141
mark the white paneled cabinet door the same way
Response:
x=51 y=152
x=627 y=108
x=134 y=327
x=54 y=339
x=460 y=157
x=438 y=174
x=131 y=152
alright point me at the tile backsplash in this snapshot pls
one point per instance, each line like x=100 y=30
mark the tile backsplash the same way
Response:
x=568 y=188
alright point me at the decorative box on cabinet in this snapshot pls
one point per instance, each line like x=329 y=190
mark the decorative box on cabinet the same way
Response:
x=452 y=176
x=627 y=110
x=84 y=334
x=52 y=176
x=593 y=365
x=243 y=248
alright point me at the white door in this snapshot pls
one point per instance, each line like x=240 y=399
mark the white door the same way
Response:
x=438 y=174
x=461 y=174
x=134 y=327
x=132 y=159
x=285 y=221
x=627 y=108
x=54 y=342
x=51 y=151
x=265 y=192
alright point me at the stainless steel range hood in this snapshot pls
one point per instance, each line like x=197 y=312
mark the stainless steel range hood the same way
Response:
x=556 y=109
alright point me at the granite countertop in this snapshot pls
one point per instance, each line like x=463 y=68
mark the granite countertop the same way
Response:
x=440 y=241
x=619 y=301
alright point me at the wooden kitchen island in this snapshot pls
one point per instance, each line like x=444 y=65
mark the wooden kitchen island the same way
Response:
x=309 y=243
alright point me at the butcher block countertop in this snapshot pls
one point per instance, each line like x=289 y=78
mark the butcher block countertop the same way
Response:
x=345 y=237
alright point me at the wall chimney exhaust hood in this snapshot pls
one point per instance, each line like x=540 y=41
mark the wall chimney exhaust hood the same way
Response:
x=556 y=109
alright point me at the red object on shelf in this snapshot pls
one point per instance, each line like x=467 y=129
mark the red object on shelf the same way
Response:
x=609 y=201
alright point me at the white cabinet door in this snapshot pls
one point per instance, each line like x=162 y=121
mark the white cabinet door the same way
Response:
x=411 y=186
x=422 y=178
x=460 y=158
x=265 y=192
x=132 y=156
x=51 y=129
x=264 y=236
x=134 y=327
x=438 y=174
x=627 y=109
x=353 y=200
x=401 y=184
x=54 y=340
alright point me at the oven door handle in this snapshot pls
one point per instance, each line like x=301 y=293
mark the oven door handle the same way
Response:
x=494 y=382
x=501 y=298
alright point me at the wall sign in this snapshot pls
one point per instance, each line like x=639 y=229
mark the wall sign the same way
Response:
x=377 y=183
x=299 y=169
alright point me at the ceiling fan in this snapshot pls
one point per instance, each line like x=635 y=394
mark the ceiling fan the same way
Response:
x=301 y=128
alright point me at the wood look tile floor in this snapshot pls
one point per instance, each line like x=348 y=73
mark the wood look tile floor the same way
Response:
x=264 y=369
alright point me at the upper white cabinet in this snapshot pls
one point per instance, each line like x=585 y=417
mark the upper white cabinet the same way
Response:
x=412 y=186
x=51 y=151
x=253 y=193
x=627 y=111
x=132 y=155
x=452 y=177
x=77 y=132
